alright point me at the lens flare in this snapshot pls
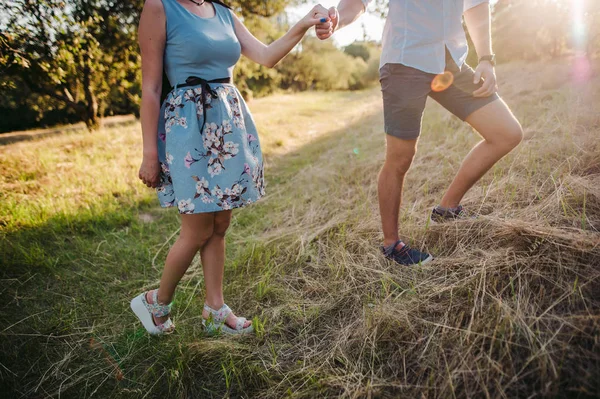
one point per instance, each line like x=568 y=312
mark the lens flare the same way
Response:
x=442 y=81
x=581 y=68
x=578 y=26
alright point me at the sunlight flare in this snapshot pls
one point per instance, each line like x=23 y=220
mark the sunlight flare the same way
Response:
x=442 y=81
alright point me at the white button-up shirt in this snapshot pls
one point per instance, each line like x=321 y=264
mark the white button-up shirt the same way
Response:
x=417 y=33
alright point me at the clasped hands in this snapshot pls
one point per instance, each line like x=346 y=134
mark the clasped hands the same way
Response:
x=325 y=21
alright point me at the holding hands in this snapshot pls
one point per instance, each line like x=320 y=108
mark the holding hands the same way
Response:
x=326 y=27
x=322 y=19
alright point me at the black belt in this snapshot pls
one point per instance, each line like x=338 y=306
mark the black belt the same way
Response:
x=206 y=90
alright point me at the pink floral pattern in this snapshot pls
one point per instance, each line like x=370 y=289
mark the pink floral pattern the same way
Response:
x=218 y=169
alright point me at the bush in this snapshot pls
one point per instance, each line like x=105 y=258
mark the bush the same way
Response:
x=320 y=65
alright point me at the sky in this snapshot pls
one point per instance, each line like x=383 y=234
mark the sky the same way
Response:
x=371 y=21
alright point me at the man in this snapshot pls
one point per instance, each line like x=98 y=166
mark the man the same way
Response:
x=421 y=39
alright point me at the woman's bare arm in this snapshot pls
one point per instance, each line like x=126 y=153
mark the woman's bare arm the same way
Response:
x=270 y=55
x=152 y=37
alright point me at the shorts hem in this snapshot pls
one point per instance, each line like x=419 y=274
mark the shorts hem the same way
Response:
x=479 y=105
x=404 y=135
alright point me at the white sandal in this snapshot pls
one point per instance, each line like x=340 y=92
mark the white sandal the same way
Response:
x=216 y=322
x=144 y=311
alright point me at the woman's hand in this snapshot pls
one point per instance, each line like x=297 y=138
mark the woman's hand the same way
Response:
x=150 y=172
x=318 y=15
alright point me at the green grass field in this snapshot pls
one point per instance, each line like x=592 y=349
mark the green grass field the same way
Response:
x=510 y=308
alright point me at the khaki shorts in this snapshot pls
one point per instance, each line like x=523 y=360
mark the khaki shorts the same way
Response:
x=405 y=92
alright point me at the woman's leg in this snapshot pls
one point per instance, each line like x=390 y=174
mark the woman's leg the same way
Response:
x=213 y=264
x=196 y=230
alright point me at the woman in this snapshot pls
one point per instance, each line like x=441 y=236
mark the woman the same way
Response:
x=207 y=158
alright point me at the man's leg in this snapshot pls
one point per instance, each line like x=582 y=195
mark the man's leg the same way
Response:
x=501 y=133
x=398 y=158
x=405 y=91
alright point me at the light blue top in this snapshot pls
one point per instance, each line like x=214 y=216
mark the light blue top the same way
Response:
x=417 y=32
x=204 y=47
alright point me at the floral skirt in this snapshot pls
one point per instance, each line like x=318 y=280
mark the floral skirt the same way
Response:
x=218 y=169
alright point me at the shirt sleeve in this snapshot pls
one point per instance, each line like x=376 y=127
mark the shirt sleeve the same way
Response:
x=468 y=4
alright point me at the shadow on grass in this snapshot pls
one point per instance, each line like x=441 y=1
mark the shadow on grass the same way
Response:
x=68 y=329
x=66 y=286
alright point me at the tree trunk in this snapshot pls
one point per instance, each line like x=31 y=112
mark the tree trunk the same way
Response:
x=91 y=111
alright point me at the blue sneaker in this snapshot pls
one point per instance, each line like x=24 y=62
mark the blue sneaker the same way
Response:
x=406 y=255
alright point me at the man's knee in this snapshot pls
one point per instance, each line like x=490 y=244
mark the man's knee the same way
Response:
x=399 y=158
x=508 y=136
x=505 y=134
x=514 y=135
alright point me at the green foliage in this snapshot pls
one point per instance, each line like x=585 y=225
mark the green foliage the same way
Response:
x=320 y=65
x=260 y=8
x=251 y=78
x=359 y=49
x=81 y=54
x=73 y=60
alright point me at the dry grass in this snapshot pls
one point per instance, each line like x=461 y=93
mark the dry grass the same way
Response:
x=510 y=308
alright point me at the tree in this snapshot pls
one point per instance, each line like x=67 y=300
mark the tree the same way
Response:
x=83 y=55
x=73 y=52
x=359 y=49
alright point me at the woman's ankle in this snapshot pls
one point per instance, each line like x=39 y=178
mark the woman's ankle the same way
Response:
x=160 y=299
x=215 y=303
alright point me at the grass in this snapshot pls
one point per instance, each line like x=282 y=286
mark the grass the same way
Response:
x=510 y=308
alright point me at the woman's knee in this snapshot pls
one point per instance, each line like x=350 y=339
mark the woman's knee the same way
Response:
x=198 y=238
x=198 y=230
x=222 y=222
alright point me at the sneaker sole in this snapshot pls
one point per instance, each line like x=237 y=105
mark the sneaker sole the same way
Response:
x=421 y=263
x=426 y=261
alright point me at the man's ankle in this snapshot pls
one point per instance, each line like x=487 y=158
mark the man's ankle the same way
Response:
x=447 y=206
x=388 y=243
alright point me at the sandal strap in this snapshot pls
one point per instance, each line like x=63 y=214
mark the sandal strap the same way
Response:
x=239 y=325
x=167 y=326
x=219 y=316
x=157 y=309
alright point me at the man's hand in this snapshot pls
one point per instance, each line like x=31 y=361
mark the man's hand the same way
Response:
x=317 y=16
x=326 y=29
x=485 y=71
